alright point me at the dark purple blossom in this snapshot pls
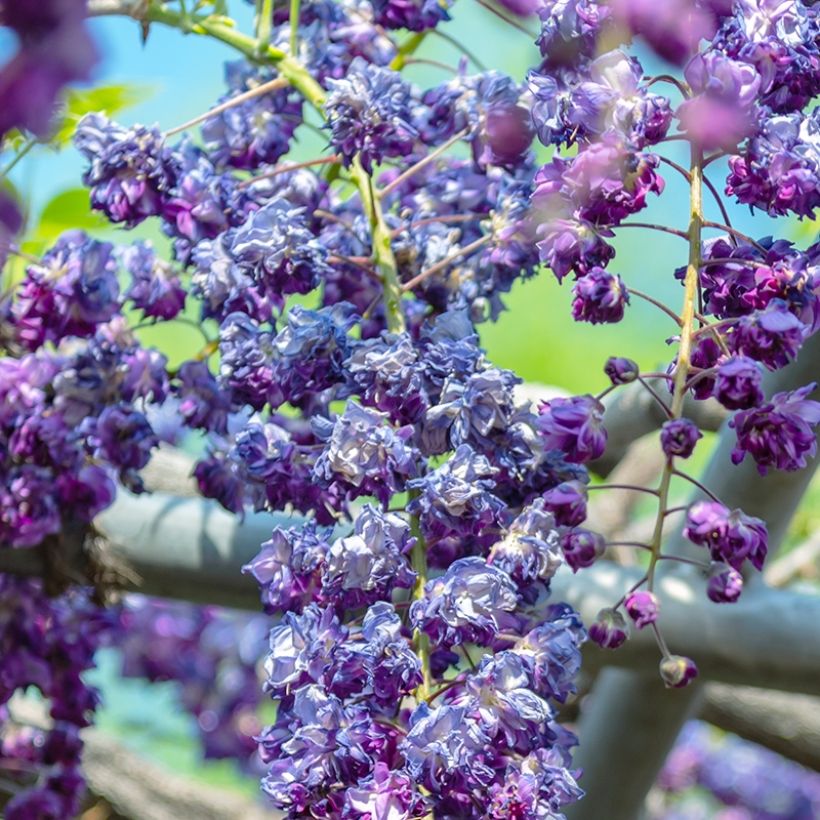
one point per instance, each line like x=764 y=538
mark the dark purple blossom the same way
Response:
x=621 y=370
x=55 y=49
x=536 y=787
x=370 y=114
x=738 y=383
x=772 y=336
x=570 y=29
x=779 y=433
x=123 y=437
x=679 y=437
x=730 y=536
x=529 y=551
x=246 y=349
x=469 y=603
x=371 y=562
x=725 y=584
x=309 y=352
x=72 y=291
x=288 y=568
x=366 y=454
x=600 y=297
x=552 y=651
x=130 y=172
x=582 y=547
x=201 y=403
x=155 y=287
x=779 y=170
x=574 y=426
x=573 y=245
x=567 y=502
x=414 y=15
x=278 y=251
x=256 y=131
x=456 y=499
x=445 y=748
x=386 y=793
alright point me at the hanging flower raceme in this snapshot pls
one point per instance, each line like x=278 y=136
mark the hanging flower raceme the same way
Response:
x=414 y=650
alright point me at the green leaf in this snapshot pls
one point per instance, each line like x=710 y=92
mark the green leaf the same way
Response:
x=110 y=99
x=68 y=209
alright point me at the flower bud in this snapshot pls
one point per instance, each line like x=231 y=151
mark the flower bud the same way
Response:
x=677 y=671
x=725 y=584
x=621 y=370
x=567 y=502
x=642 y=607
x=679 y=436
x=609 y=629
x=582 y=547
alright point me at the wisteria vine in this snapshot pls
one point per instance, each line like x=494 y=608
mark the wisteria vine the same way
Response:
x=416 y=657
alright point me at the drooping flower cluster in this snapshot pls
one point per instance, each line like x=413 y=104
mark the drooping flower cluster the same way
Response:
x=416 y=658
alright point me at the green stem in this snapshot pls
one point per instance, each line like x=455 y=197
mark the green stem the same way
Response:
x=687 y=321
x=20 y=154
x=295 y=11
x=383 y=256
x=264 y=23
x=421 y=641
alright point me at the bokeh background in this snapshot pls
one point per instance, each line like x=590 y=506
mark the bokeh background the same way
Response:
x=168 y=80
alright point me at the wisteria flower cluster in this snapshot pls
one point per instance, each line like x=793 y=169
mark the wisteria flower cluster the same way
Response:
x=415 y=655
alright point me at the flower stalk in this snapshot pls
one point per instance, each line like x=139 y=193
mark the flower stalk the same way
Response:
x=687 y=322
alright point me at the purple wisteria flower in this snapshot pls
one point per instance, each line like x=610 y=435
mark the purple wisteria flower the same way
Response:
x=574 y=426
x=55 y=49
x=469 y=603
x=371 y=562
x=582 y=547
x=600 y=297
x=370 y=114
x=278 y=251
x=201 y=403
x=530 y=550
x=414 y=15
x=289 y=567
x=310 y=351
x=456 y=499
x=365 y=454
x=131 y=171
x=257 y=131
x=155 y=287
x=552 y=651
x=621 y=370
x=567 y=502
x=779 y=170
x=679 y=437
x=725 y=584
x=386 y=793
x=738 y=383
x=730 y=536
x=779 y=433
x=772 y=336
x=70 y=292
